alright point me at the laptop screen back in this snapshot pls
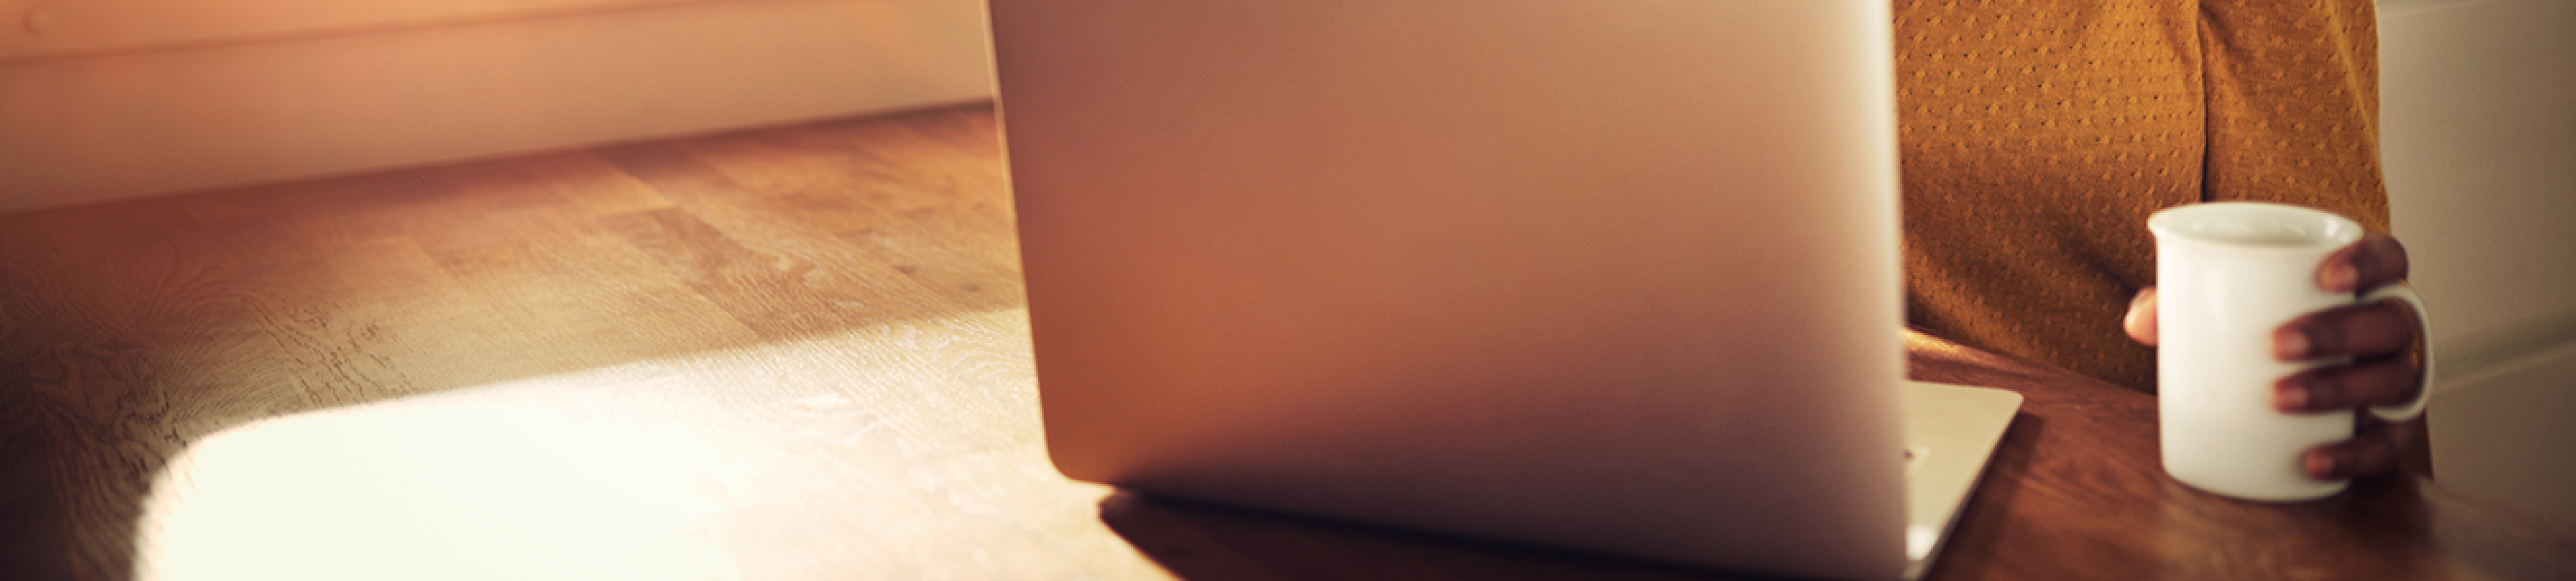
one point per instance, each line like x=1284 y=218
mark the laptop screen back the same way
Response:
x=1615 y=276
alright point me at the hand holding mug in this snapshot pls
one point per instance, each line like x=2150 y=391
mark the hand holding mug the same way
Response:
x=2331 y=356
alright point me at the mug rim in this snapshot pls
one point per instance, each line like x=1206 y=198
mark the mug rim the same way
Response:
x=2342 y=231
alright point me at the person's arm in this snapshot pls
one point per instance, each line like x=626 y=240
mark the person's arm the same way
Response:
x=2291 y=93
x=2291 y=105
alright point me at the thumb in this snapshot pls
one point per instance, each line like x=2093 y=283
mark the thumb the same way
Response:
x=2141 y=321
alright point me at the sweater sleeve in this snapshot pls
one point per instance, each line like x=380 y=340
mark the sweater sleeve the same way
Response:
x=2292 y=90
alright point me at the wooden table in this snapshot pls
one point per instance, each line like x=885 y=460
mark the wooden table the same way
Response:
x=801 y=354
x=912 y=451
x=2076 y=490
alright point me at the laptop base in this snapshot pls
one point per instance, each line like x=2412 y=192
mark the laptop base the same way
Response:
x=1950 y=432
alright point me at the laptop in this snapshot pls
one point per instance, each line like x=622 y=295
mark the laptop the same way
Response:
x=1616 y=277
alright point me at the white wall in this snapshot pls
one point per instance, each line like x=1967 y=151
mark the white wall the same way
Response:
x=206 y=98
x=50 y=28
x=2478 y=122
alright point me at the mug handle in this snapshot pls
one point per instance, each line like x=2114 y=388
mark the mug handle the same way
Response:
x=2424 y=338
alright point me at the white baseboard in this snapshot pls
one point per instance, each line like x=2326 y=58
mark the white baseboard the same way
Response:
x=93 y=127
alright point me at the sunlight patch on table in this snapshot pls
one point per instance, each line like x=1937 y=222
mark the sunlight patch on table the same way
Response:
x=908 y=451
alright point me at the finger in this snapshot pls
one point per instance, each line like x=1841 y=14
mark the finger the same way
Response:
x=2372 y=330
x=2141 y=321
x=2377 y=260
x=2386 y=382
x=2375 y=448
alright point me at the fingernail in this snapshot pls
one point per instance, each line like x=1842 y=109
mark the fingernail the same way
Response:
x=2319 y=465
x=2290 y=397
x=2341 y=277
x=2290 y=345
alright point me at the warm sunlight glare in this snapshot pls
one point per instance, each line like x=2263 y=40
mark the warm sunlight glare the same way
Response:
x=740 y=464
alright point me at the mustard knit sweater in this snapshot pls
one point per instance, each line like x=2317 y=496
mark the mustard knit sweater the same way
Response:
x=2039 y=134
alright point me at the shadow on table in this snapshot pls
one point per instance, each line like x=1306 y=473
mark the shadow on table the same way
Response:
x=1201 y=541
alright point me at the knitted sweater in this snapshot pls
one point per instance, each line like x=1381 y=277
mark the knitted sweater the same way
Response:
x=2038 y=135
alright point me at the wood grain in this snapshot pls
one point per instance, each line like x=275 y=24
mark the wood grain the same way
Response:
x=801 y=353
x=130 y=330
x=2076 y=490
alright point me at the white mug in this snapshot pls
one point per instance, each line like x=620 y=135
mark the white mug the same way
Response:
x=2229 y=275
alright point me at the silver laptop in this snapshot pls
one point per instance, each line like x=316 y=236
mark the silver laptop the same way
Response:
x=1616 y=276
